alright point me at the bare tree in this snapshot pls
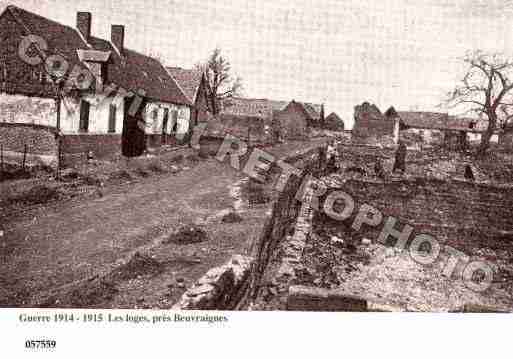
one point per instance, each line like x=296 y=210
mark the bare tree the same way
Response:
x=486 y=90
x=222 y=84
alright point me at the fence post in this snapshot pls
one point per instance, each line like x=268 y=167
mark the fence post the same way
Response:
x=24 y=156
x=2 y=162
x=59 y=155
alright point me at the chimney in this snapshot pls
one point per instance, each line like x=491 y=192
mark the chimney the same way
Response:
x=84 y=24
x=117 y=37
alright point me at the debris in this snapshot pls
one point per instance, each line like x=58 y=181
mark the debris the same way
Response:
x=181 y=285
x=137 y=266
x=469 y=174
x=366 y=241
x=232 y=217
x=187 y=235
x=337 y=241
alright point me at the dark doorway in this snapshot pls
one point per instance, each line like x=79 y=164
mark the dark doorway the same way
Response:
x=165 y=122
x=112 y=118
x=84 y=116
x=133 y=140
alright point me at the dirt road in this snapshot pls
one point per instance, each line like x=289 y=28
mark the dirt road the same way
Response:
x=76 y=241
x=49 y=253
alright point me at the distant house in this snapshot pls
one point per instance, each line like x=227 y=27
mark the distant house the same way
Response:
x=264 y=120
x=371 y=126
x=440 y=128
x=132 y=102
x=247 y=118
x=296 y=120
x=333 y=122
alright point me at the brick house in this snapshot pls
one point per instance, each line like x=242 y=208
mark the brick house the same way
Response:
x=130 y=104
x=371 y=126
x=247 y=118
x=296 y=120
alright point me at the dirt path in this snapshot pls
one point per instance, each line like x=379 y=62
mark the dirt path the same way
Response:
x=62 y=246
x=78 y=240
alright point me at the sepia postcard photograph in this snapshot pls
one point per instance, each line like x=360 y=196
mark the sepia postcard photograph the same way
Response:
x=333 y=171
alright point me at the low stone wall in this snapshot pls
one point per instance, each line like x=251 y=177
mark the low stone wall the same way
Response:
x=221 y=288
x=286 y=231
x=39 y=141
x=237 y=283
x=75 y=148
x=461 y=212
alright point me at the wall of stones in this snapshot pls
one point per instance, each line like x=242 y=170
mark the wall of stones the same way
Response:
x=288 y=221
x=458 y=213
x=75 y=148
x=238 y=282
x=39 y=139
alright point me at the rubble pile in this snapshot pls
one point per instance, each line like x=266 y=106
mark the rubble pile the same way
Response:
x=220 y=288
x=188 y=234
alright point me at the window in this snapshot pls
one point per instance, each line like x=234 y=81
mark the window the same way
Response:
x=112 y=118
x=175 y=121
x=84 y=116
x=165 y=121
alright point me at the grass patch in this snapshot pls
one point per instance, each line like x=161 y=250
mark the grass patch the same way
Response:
x=38 y=194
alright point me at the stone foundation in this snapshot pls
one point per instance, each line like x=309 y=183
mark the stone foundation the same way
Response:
x=75 y=148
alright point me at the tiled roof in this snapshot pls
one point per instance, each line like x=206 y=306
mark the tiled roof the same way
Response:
x=189 y=80
x=313 y=110
x=440 y=121
x=261 y=108
x=264 y=108
x=132 y=71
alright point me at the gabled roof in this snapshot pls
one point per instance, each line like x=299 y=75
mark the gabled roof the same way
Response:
x=368 y=111
x=391 y=112
x=132 y=71
x=292 y=108
x=313 y=110
x=189 y=80
x=334 y=117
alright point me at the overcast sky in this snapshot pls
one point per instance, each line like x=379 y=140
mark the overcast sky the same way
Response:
x=340 y=52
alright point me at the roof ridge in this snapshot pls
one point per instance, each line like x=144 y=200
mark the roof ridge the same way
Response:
x=178 y=85
x=170 y=90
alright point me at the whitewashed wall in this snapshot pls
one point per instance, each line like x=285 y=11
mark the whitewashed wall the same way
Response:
x=154 y=125
x=98 y=115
